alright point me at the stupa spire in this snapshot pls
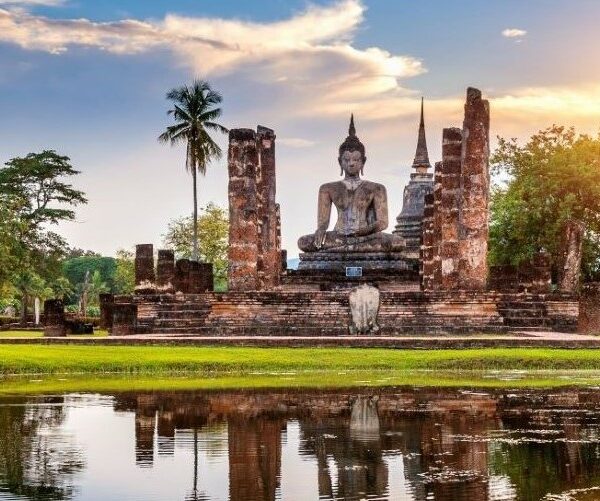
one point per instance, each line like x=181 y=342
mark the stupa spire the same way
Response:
x=421 y=161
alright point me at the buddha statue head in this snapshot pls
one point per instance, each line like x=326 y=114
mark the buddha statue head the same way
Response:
x=352 y=153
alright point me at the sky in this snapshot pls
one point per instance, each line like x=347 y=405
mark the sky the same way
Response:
x=89 y=78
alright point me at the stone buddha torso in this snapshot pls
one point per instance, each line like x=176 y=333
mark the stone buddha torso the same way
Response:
x=361 y=206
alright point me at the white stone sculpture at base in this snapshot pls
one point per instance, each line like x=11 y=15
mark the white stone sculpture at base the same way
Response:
x=364 y=307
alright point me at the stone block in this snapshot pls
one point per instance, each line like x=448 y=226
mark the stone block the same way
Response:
x=54 y=318
x=165 y=268
x=364 y=307
x=144 y=264
x=106 y=306
x=124 y=321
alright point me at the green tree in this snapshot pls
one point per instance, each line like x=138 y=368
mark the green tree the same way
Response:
x=124 y=279
x=35 y=187
x=552 y=178
x=213 y=231
x=75 y=269
x=195 y=111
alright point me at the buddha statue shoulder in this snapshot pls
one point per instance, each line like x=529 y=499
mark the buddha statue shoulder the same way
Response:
x=361 y=205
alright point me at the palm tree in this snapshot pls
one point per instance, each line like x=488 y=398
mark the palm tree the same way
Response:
x=195 y=111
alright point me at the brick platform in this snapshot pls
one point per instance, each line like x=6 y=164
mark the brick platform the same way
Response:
x=327 y=313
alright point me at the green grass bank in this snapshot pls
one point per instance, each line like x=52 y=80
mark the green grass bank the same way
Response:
x=71 y=359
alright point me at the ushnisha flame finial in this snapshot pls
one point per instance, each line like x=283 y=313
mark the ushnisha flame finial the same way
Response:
x=351 y=128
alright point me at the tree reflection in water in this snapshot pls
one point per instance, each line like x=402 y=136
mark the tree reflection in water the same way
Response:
x=400 y=443
x=35 y=463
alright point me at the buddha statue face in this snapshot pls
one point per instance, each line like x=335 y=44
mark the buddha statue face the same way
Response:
x=352 y=162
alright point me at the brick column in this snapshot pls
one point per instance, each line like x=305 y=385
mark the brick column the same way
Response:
x=144 y=263
x=182 y=276
x=54 y=318
x=243 y=204
x=165 y=268
x=437 y=227
x=570 y=256
x=124 y=319
x=269 y=264
x=474 y=193
x=427 y=258
x=106 y=310
x=449 y=208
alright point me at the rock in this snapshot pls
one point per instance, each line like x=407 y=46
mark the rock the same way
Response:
x=364 y=307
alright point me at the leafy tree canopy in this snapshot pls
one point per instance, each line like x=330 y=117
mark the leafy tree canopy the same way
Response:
x=213 y=231
x=35 y=193
x=552 y=178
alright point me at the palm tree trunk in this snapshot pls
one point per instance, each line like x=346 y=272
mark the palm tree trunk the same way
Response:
x=195 y=237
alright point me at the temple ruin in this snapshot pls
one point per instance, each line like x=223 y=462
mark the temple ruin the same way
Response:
x=431 y=274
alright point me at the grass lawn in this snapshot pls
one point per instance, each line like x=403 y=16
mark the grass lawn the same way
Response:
x=67 y=368
x=64 y=359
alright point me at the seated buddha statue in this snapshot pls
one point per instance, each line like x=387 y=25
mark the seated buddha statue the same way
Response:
x=361 y=205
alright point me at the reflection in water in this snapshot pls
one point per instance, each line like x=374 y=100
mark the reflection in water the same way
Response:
x=339 y=444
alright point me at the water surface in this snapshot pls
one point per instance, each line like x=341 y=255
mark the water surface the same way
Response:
x=372 y=443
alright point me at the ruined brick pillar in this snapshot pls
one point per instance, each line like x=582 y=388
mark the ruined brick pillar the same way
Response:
x=182 y=276
x=207 y=277
x=570 y=256
x=426 y=261
x=437 y=226
x=269 y=264
x=474 y=193
x=200 y=277
x=124 y=320
x=106 y=310
x=448 y=207
x=243 y=217
x=144 y=264
x=254 y=244
x=165 y=268
x=54 y=318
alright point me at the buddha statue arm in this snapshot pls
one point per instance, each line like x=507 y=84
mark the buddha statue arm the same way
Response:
x=381 y=210
x=323 y=216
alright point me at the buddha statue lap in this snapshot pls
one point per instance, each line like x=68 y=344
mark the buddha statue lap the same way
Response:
x=362 y=212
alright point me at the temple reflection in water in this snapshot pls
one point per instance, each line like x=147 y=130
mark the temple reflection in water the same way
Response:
x=290 y=444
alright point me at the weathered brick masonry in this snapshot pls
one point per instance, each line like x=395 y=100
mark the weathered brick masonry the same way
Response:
x=327 y=313
x=254 y=242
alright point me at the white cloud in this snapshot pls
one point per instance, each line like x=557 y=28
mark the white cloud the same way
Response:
x=311 y=54
x=49 y=3
x=514 y=33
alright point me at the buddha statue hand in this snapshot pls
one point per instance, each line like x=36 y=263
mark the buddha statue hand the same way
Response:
x=320 y=238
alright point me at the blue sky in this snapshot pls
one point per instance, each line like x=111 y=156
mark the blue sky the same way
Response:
x=88 y=79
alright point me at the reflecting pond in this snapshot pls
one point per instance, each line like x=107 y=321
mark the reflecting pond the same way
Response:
x=373 y=443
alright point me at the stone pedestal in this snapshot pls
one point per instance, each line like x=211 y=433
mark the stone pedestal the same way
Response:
x=144 y=264
x=124 y=321
x=368 y=261
x=165 y=268
x=107 y=302
x=54 y=318
x=364 y=307
x=474 y=193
